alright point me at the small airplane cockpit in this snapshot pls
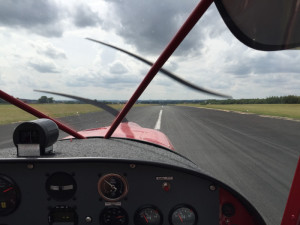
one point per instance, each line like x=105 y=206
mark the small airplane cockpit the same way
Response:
x=125 y=174
x=109 y=182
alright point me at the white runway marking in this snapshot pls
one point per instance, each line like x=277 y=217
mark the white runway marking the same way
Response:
x=158 y=122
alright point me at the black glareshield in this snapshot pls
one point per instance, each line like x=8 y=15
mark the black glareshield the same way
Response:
x=36 y=137
x=266 y=25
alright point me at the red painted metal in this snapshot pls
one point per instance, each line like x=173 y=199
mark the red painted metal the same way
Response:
x=175 y=42
x=131 y=131
x=291 y=214
x=241 y=215
x=37 y=113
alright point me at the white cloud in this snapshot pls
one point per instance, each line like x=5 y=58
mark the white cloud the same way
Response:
x=117 y=68
x=49 y=50
x=43 y=46
x=43 y=65
x=1 y=79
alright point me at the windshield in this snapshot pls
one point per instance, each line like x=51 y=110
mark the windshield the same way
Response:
x=44 y=47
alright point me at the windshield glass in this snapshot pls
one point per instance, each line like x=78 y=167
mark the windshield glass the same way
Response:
x=44 y=47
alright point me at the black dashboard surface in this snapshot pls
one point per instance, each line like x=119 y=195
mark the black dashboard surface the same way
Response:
x=98 y=181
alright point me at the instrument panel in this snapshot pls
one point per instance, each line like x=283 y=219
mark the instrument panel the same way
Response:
x=104 y=192
x=115 y=182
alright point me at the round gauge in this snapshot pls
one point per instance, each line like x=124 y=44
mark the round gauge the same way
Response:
x=148 y=215
x=61 y=186
x=112 y=187
x=9 y=196
x=113 y=216
x=183 y=215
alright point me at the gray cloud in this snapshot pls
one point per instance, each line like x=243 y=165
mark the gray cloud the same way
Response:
x=85 y=17
x=150 y=25
x=50 y=51
x=279 y=84
x=45 y=17
x=26 y=82
x=117 y=68
x=116 y=77
x=41 y=17
x=43 y=66
x=114 y=82
x=244 y=64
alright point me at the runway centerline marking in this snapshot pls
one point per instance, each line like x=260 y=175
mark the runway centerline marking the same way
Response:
x=158 y=122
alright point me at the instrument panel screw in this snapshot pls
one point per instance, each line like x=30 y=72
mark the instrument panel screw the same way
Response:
x=30 y=166
x=227 y=221
x=132 y=166
x=88 y=219
x=212 y=187
x=293 y=217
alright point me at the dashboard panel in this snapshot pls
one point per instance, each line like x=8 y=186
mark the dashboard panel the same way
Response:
x=45 y=192
x=119 y=182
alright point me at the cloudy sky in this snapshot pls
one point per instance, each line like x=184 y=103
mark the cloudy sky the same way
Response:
x=43 y=46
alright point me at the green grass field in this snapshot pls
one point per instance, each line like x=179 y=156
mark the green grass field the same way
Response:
x=12 y=114
x=282 y=110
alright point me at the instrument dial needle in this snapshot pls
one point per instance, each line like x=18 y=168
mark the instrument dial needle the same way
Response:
x=111 y=185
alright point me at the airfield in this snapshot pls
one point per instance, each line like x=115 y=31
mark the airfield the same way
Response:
x=256 y=155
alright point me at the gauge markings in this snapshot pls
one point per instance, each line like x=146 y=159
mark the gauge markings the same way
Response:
x=180 y=218
x=145 y=218
x=8 y=189
x=9 y=196
x=183 y=215
x=112 y=187
x=113 y=216
x=149 y=215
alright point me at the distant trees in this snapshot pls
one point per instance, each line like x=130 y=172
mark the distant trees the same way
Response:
x=45 y=99
x=290 y=99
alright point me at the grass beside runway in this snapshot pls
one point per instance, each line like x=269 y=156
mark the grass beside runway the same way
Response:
x=291 y=111
x=12 y=114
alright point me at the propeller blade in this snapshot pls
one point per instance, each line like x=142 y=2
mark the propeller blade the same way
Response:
x=164 y=71
x=101 y=105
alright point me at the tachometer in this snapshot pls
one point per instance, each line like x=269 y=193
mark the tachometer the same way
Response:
x=148 y=215
x=9 y=196
x=112 y=187
x=113 y=216
x=183 y=215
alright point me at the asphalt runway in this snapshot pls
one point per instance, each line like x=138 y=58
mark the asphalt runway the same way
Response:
x=255 y=155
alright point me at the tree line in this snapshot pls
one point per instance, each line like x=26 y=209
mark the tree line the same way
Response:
x=290 y=99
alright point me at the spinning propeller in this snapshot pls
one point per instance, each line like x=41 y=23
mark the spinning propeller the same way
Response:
x=101 y=105
x=115 y=112
x=164 y=71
